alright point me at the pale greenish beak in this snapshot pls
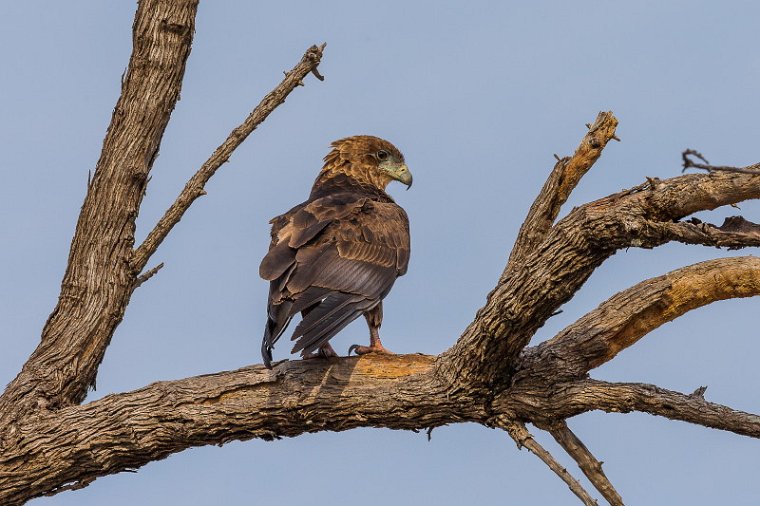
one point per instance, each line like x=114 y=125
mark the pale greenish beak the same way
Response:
x=398 y=171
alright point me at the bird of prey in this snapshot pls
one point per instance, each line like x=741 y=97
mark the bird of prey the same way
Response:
x=336 y=256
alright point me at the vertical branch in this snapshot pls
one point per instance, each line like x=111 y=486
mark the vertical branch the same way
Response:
x=99 y=280
x=563 y=179
x=488 y=348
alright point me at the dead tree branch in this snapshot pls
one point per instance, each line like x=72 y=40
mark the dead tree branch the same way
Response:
x=195 y=186
x=523 y=438
x=125 y=431
x=689 y=163
x=99 y=279
x=548 y=277
x=563 y=179
x=735 y=233
x=628 y=316
x=49 y=443
x=142 y=278
x=590 y=466
x=564 y=400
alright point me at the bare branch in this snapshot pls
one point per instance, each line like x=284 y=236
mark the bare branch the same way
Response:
x=688 y=163
x=142 y=278
x=590 y=466
x=523 y=438
x=550 y=275
x=195 y=186
x=735 y=233
x=570 y=399
x=625 y=318
x=98 y=280
x=125 y=431
x=563 y=179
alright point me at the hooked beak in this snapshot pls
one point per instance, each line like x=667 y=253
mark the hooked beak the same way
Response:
x=400 y=172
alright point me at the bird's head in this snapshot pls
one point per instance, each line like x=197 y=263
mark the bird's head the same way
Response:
x=367 y=159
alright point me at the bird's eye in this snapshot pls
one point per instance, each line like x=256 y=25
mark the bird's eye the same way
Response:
x=382 y=155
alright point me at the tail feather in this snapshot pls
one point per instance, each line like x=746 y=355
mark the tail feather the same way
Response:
x=278 y=318
x=327 y=319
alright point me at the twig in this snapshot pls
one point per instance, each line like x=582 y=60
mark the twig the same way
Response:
x=590 y=466
x=315 y=71
x=145 y=276
x=195 y=186
x=689 y=163
x=523 y=438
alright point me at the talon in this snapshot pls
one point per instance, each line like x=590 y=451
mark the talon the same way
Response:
x=372 y=348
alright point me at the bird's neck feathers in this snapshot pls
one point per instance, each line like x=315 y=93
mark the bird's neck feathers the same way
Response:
x=339 y=174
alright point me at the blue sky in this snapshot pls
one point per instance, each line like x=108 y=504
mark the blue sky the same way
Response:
x=478 y=96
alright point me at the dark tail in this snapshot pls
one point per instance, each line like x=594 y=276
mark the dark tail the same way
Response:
x=278 y=318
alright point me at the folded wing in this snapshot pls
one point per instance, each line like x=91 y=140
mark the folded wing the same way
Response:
x=333 y=259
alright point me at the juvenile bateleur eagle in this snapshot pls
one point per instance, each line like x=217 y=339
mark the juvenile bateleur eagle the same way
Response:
x=336 y=256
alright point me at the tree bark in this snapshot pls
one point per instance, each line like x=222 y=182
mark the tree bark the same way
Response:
x=99 y=280
x=50 y=441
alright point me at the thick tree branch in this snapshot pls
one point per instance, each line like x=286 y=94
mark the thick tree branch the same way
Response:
x=99 y=280
x=75 y=445
x=519 y=433
x=49 y=444
x=548 y=277
x=590 y=466
x=628 y=316
x=563 y=179
x=547 y=403
x=195 y=186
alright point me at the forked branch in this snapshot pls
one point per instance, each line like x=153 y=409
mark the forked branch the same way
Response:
x=550 y=275
x=524 y=439
x=49 y=443
x=99 y=281
x=689 y=155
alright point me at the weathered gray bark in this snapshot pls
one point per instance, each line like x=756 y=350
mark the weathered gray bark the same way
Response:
x=50 y=442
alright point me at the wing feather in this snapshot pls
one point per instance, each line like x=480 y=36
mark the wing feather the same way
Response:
x=332 y=258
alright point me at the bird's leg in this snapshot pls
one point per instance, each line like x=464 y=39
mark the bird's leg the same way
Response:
x=374 y=319
x=327 y=351
x=375 y=345
x=324 y=351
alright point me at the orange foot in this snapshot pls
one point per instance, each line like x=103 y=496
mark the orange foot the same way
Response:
x=372 y=348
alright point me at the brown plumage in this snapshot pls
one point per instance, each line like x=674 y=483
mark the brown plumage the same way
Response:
x=337 y=255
